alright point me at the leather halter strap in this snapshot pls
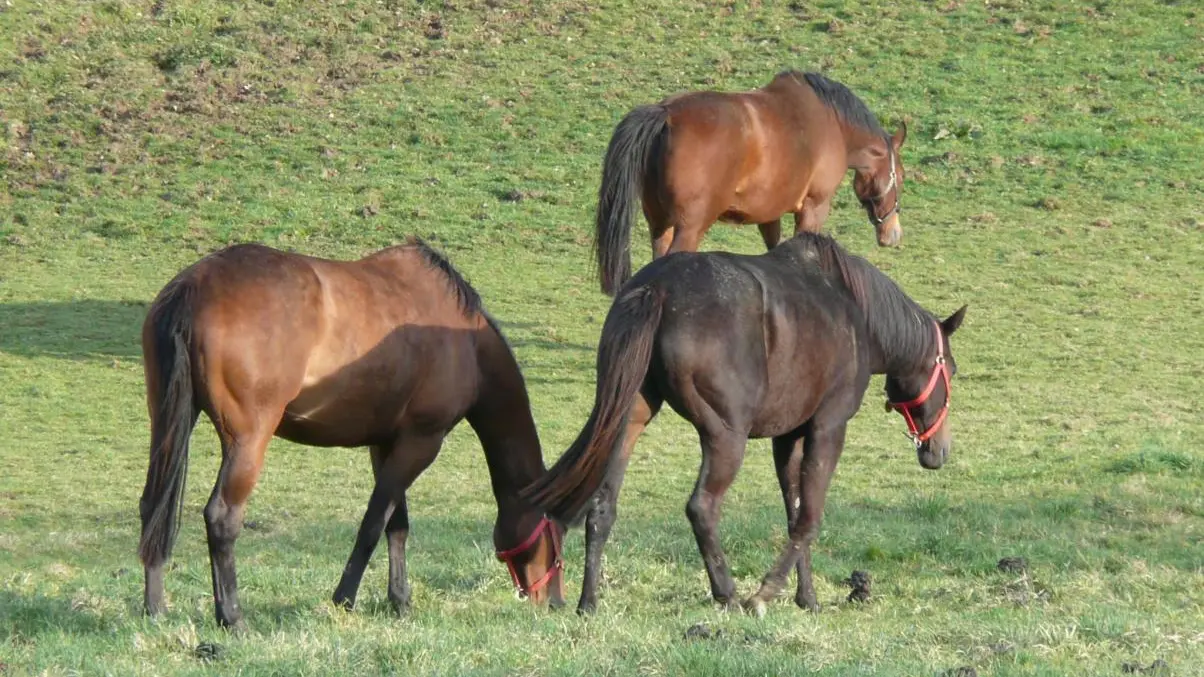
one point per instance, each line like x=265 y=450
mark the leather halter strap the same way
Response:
x=940 y=371
x=892 y=185
x=508 y=556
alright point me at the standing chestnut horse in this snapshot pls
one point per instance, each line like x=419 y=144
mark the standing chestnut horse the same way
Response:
x=389 y=352
x=745 y=157
x=780 y=345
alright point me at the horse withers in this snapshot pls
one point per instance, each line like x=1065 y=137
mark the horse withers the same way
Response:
x=389 y=352
x=780 y=345
x=743 y=157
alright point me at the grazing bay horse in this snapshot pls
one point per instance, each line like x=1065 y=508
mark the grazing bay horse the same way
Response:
x=780 y=345
x=389 y=352
x=745 y=157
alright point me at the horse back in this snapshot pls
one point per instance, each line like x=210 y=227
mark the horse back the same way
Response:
x=754 y=154
x=756 y=340
x=349 y=351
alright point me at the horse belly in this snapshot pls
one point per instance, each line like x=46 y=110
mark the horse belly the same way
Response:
x=374 y=402
x=327 y=418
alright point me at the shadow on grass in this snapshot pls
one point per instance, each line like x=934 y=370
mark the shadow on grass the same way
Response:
x=516 y=334
x=75 y=330
x=27 y=617
x=104 y=329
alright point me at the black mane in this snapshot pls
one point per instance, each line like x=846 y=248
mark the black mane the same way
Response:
x=899 y=325
x=840 y=99
x=466 y=296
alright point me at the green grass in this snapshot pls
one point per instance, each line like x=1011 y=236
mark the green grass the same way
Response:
x=1062 y=201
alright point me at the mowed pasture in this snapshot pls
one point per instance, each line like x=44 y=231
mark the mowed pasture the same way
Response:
x=1055 y=183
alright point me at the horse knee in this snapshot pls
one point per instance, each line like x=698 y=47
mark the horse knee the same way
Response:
x=806 y=532
x=602 y=515
x=222 y=522
x=698 y=509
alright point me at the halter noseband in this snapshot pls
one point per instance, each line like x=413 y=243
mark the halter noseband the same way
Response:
x=891 y=185
x=941 y=370
x=508 y=556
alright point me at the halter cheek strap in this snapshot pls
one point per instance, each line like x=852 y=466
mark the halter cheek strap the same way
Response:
x=891 y=185
x=939 y=371
x=509 y=555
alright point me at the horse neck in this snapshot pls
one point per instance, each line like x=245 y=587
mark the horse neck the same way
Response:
x=901 y=334
x=857 y=140
x=502 y=420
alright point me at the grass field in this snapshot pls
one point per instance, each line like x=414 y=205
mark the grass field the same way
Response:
x=1055 y=183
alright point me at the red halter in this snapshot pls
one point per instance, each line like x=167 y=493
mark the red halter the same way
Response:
x=508 y=556
x=939 y=370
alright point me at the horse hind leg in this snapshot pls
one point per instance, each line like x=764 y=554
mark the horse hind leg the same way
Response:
x=690 y=225
x=242 y=460
x=604 y=511
x=660 y=229
x=722 y=455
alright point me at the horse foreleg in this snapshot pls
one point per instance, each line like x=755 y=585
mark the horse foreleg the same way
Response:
x=242 y=459
x=771 y=232
x=812 y=216
x=722 y=455
x=380 y=507
x=604 y=510
x=387 y=510
x=821 y=449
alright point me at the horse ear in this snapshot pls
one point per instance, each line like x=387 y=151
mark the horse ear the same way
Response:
x=900 y=135
x=954 y=321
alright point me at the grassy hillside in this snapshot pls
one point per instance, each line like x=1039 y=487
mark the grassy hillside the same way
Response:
x=1054 y=184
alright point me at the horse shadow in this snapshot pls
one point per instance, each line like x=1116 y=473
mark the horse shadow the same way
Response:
x=28 y=616
x=89 y=329
x=102 y=329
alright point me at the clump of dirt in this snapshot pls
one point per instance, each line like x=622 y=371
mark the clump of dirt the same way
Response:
x=1013 y=565
x=702 y=631
x=208 y=652
x=1158 y=667
x=517 y=195
x=435 y=30
x=1023 y=590
x=860 y=582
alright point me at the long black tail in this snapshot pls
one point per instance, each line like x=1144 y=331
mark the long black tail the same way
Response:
x=623 y=174
x=165 y=348
x=624 y=353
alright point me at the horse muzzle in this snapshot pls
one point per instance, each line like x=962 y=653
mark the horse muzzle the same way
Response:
x=932 y=456
x=890 y=233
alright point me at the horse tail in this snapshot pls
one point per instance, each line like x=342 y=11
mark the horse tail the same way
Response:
x=165 y=347
x=624 y=353
x=623 y=173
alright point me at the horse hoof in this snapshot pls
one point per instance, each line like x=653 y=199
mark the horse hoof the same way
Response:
x=807 y=605
x=756 y=606
x=344 y=603
x=587 y=609
x=401 y=607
